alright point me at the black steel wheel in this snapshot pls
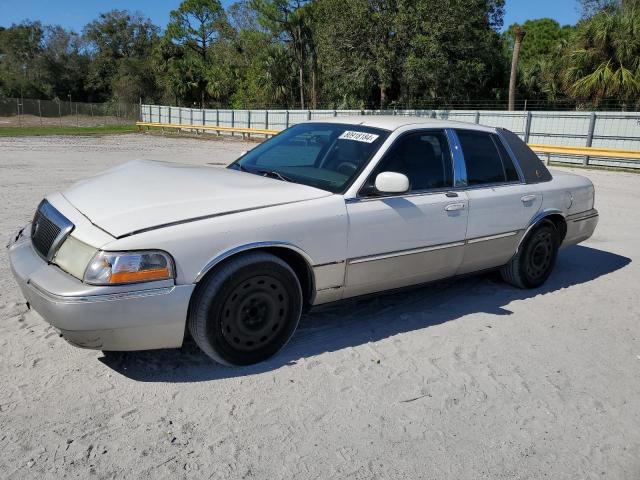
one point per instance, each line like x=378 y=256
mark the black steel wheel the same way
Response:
x=539 y=255
x=255 y=312
x=247 y=310
x=536 y=257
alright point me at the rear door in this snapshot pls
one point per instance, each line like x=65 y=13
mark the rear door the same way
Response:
x=418 y=236
x=501 y=206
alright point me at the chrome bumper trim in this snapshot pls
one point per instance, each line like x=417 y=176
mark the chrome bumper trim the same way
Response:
x=100 y=298
x=585 y=216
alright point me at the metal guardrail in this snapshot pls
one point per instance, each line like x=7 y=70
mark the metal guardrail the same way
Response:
x=610 y=157
x=585 y=152
x=588 y=151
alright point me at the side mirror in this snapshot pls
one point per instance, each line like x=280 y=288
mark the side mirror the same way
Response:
x=392 y=182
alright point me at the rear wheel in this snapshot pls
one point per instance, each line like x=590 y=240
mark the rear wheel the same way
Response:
x=247 y=310
x=535 y=259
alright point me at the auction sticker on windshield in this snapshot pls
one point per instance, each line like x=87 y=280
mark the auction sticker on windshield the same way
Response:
x=359 y=136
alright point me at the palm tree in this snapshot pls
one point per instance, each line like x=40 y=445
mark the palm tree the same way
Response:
x=518 y=36
x=605 y=59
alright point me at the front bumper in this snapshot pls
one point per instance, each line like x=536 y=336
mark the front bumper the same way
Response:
x=103 y=318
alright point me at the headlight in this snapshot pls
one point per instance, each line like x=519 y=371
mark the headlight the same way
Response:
x=110 y=268
x=73 y=256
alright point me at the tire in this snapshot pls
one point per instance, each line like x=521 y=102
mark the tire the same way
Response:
x=536 y=257
x=247 y=310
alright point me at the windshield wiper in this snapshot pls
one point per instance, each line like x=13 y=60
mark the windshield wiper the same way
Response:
x=273 y=174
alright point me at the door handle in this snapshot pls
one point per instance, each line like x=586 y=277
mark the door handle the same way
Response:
x=527 y=198
x=452 y=207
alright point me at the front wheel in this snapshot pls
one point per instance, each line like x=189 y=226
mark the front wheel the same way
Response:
x=535 y=259
x=246 y=311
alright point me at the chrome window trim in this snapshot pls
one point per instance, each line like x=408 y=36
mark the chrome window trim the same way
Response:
x=514 y=159
x=419 y=193
x=459 y=167
x=431 y=192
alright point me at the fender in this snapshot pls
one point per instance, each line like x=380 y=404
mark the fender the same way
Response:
x=253 y=246
x=537 y=219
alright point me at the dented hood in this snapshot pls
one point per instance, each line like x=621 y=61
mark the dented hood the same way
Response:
x=143 y=195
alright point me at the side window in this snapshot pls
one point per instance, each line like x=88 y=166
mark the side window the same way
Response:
x=423 y=157
x=483 y=159
x=509 y=168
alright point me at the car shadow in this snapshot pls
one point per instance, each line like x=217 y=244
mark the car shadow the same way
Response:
x=358 y=321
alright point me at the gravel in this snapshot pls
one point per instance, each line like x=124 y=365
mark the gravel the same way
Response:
x=464 y=379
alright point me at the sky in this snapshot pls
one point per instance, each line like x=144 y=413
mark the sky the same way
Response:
x=74 y=14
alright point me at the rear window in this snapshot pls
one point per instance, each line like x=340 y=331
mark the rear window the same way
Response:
x=484 y=162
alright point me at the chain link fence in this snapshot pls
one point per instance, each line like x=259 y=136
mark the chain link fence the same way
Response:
x=18 y=112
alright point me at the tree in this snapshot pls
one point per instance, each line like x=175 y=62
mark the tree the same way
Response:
x=290 y=21
x=540 y=59
x=194 y=26
x=63 y=63
x=20 y=73
x=603 y=60
x=518 y=35
x=451 y=53
x=117 y=40
x=361 y=46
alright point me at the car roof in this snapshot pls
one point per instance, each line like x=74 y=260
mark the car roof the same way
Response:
x=393 y=122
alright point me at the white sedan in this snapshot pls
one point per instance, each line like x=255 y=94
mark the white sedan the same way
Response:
x=133 y=258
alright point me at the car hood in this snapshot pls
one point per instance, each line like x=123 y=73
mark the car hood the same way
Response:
x=143 y=195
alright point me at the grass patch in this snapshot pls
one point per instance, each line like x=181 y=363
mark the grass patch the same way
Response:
x=38 y=131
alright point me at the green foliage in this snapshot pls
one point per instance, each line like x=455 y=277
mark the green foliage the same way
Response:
x=328 y=54
x=409 y=52
x=195 y=28
x=540 y=57
x=119 y=42
x=604 y=59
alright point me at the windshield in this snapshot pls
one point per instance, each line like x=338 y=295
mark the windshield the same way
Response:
x=321 y=155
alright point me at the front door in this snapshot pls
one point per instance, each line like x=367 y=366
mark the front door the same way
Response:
x=400 y=240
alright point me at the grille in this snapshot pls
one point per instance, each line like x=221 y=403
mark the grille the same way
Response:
x=49 y=229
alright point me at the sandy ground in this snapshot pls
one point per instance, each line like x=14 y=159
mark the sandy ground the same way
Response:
x=465 y=379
